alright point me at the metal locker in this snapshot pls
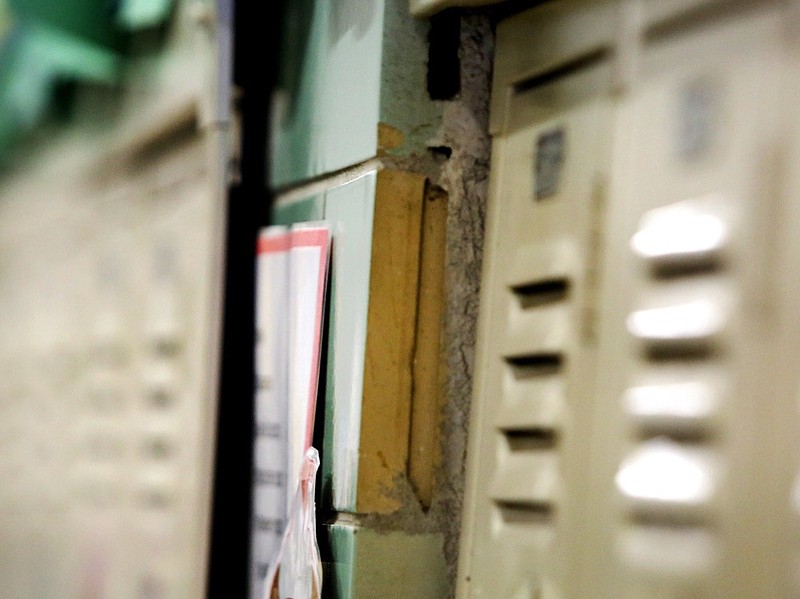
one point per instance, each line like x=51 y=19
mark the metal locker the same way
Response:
x=695 y=396
x=529 y=449
x=635 y=400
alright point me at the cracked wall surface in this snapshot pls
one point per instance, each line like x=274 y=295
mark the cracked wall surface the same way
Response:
x=465 y=177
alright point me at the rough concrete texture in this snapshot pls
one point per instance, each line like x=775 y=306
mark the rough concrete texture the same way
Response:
x=404 y=102
x=465 y=177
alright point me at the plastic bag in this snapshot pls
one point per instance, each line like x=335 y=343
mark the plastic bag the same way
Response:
x=296 y=572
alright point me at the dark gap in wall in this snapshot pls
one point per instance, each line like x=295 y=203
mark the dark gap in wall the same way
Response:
x=444 y=64
x=324 y=496
x=233 y=464
x=440 y=153
x=324 y=492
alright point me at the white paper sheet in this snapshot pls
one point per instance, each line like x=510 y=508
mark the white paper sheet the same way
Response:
x=292 y=274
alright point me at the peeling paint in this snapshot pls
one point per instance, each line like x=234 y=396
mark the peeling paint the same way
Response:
x=389 y=137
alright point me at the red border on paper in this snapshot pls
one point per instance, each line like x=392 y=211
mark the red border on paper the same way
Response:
x=274 y=243
x=317 y=237
x=310 y=237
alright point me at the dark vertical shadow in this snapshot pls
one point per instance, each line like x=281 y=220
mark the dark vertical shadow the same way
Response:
x=444 y=64
x=324 y=498
x=254 y=72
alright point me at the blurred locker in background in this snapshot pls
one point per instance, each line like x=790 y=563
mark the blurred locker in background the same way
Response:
x=634 y=414
x=111 y=227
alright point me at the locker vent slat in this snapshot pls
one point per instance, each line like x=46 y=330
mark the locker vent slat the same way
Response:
x=537 y=293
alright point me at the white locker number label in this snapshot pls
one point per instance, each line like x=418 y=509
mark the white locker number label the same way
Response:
x=697 y=115
x=549 y=161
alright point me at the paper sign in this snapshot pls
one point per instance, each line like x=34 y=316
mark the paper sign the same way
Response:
x=292 y=274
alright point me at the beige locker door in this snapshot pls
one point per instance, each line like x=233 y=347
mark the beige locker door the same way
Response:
x=532 y=402
x=695 y=403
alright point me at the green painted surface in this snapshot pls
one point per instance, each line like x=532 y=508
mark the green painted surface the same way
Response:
x=404 y=102
x=140 y=14
x=47 y=42
x=90 y=20
x=399 y=565
x=325 y=110
x=6 y=19
x=33 y=59
x=305 y=210
x=348 y=209
x=373 y=564
x=346 y=66
x=343 y=547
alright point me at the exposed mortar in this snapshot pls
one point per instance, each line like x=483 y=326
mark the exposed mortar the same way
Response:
x=465 y=177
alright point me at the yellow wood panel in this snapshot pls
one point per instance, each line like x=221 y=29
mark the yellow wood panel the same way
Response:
x=391 y=325
x=399 y=440
x=427 y=376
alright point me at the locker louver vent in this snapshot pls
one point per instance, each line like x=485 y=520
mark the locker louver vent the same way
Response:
x=541 y=292
x=535 y=364
x=526 y=483
x=553 y=116
x=668 y=481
